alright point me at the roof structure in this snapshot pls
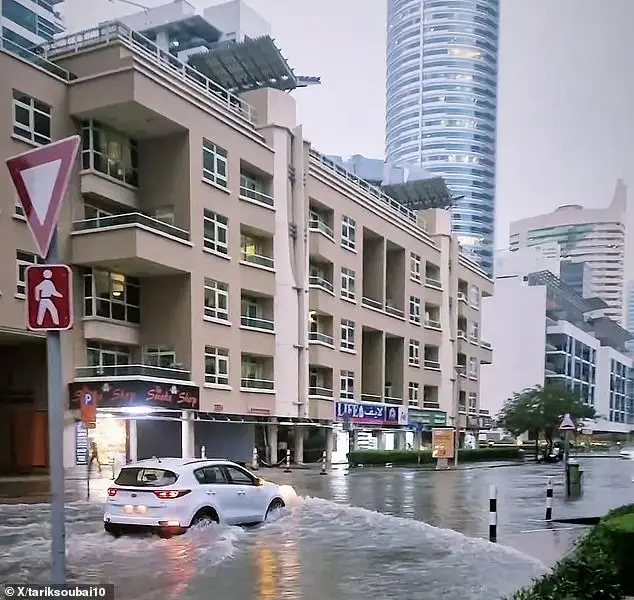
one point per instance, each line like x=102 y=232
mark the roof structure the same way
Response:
x=420 y=194
x=249 y=65
x=189 y=32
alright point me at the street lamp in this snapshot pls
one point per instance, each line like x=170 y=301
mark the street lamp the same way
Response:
x=457 y=372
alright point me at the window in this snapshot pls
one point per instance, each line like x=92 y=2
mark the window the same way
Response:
x=414 y=353
x=159 y=356
x=215 y=236
x=348 y=233
x=414 y=310
x=346 y=385
x=474 y=331
x=216 y=300
x=473 y=367
x=347 y=284
x=214 y=163
x=31 y=119
x=347 y=334
x=107 y=355
x=211 y=475
x=96 y=213
x=216 y=365
x=144 y=477
x=254 y=189
x=238 y=476
x=112 y=296
x=109 y=152
x=473 y=402
x=414 y=393
x=474 y=296
x=24 y=260
x=414 y=266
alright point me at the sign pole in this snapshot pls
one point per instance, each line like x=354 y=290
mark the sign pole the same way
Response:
x=56 y=442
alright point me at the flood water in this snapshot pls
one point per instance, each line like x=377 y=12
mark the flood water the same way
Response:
x=383 y=533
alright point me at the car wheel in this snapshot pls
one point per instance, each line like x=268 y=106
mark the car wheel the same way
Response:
x=113 y=530
x=277 y=504
x=205 y=517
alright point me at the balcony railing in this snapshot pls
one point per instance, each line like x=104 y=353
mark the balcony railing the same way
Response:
x=132 y=371
x=318 y=337
x=413 y=403
x=486 y=345
x=393 y=400
x=433 y=365
x=371 y=398
x=322 y=392
x=395 y=312
x=320 y=226
x=462 y=334
x=257 y=323
x=130 y=220
x=371 y=303
x=257 y=260
x=462 y=297
x=430 y=404
x=433 y=324
x=259 y=197
x=433 y=283
x=315 y=281
x=252 y=384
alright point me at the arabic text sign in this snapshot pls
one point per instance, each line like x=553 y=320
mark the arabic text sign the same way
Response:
x=442 y=442
x=369 y=414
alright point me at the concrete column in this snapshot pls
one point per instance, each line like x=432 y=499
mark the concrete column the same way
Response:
x=330 y=444
x=418 y=440
x=400 y=442
x=299 y=445
x=132 y=440
x=187 y=434
x=355 y=439
x=271 y=430
x=380 y=440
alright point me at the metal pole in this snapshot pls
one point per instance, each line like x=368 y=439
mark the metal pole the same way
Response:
x=456 y=414
x=566 y=457
x=493 y=514
x=549 y=499
x=56 y=442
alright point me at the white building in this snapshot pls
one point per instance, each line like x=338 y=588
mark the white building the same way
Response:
x=592 y=235
x=555 y=338
x=28 y=23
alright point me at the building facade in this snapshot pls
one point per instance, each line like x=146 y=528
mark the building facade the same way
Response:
x=595 y=236
x=441 y=105
x=26 y=23
x=229 y=279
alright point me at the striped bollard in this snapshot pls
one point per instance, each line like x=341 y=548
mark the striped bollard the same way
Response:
x=493 y=514
x=255 y=461
x=288 y=462
x=549 y=499
x=324 y=460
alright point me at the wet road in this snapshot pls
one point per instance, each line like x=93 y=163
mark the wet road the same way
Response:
x=383 y=533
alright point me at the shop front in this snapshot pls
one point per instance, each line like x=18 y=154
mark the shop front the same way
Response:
x=134 y=419
x=420 y=422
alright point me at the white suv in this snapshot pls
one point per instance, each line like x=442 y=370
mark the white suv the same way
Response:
x=168 y=495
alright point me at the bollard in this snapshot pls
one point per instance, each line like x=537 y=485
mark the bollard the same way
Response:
x=549 y=499
x=288 y=462
x=202 y=452
x=255 y=463
x=493 y=514
x=324 y=459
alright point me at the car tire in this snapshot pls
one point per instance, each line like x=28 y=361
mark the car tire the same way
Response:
x=276 y=504
x=113 y=530
x=204 y=516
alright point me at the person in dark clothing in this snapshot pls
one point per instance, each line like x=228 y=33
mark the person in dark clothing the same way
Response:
x=94 y=456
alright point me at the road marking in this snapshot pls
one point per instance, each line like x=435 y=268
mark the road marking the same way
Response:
x=553 y=529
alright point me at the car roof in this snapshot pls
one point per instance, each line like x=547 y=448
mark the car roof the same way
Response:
x=176 y=463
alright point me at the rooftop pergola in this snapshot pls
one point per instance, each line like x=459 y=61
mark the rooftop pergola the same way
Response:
x=420 y=194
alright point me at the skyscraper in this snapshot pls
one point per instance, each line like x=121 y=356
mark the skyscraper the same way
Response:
x=441 y=104
x=27 y=23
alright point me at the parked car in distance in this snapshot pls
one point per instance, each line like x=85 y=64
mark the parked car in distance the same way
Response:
x=627 y=453
x=169 y=495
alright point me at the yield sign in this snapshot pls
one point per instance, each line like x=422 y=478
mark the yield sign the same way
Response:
x=41 y=179
x=567 y=423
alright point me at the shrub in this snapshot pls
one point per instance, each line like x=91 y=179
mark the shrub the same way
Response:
x=410 y=457
x=599 y=569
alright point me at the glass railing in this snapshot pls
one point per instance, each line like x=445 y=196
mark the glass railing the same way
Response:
x=321 y=227
x=395 y=312
x=372 y=303
x=321 y=338
x=433 y=283
x=433 y=324
x=320 y=391
x=249 y=383
x=319 y=282
x=130 y=220
x=257 y=259
x=393 y=400
x=257 y=323
x=247 y=193
x=434 y=365
x=93 y=372
x=35 y=58
x=430 y=404
x=486 y=345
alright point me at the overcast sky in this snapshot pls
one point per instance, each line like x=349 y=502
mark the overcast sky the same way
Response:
x=565 y=128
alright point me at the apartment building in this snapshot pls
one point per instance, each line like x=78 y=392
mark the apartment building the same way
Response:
x=228 y=278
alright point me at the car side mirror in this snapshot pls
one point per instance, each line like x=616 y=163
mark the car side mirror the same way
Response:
x=259 y=482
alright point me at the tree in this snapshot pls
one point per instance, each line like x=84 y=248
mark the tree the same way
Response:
x=539 y=410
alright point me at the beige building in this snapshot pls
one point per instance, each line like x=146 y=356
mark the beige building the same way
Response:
x=226 y=274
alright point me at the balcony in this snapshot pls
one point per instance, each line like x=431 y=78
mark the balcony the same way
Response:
x=96 y=185
x=462 y=297
x=253 y=190
x=257 y=313
x=320 y=383
x=318 y=224
x=321 y=287
x=321 y=283
x=486 y=345
x=430 y=397
x=132 y=243
x=394 y=311
x=111 y=372
x=432 y=365
x=372 y=304
x=318 y=337
x=321 y=238
x=432 y=317
x=257 y=374
x=433 y=283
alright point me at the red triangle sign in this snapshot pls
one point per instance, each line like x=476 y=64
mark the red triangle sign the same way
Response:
x=41 y=177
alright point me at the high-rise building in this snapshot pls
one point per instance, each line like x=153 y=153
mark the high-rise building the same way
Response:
x=595 y=236
x=441 y=104
x=230 y=280
x=27 y=23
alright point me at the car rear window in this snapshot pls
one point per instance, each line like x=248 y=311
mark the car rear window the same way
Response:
x=145 y=477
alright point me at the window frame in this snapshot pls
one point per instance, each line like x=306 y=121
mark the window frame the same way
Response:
x=415 y=310
x=154 y=355
x=218 y=289
x=413 y=353
x=219 y=356
x=413 y=386
x=415 y=266
x=30 y=133
x=92 y=304
x=219 y=223
x=219 y=156
x=346 y=391
x=23 y=260
x=349 y=276
x=348 y=340
x=121 y=355
x=348 y=233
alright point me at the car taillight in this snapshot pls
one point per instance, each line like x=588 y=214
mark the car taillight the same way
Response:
x=112 y=492
x=171 y=494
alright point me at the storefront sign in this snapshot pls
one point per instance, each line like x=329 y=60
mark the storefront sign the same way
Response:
x=426 y=419
x=120 y=394
x=81 y=444
x=88 y=408
x=442 y=443
x=363 y=413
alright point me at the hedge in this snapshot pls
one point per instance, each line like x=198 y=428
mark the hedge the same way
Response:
x=600 y=568
x=410 y=457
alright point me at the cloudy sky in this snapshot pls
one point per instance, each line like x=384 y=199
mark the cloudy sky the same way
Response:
x=566 y=129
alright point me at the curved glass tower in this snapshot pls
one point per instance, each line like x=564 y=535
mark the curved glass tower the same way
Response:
x=441 y=101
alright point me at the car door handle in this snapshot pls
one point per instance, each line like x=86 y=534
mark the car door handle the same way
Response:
x=241 y=493
x=210 y=493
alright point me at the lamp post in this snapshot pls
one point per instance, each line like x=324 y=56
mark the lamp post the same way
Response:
x=456 y=381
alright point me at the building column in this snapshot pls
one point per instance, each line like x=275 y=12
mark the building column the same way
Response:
x=330 y=444
x=355 y=439
x=418 y=440
x=271 y=430
x=132 y=440
x=187 y=434
x=400 y=441
x=380 y=440
x=299 y=445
